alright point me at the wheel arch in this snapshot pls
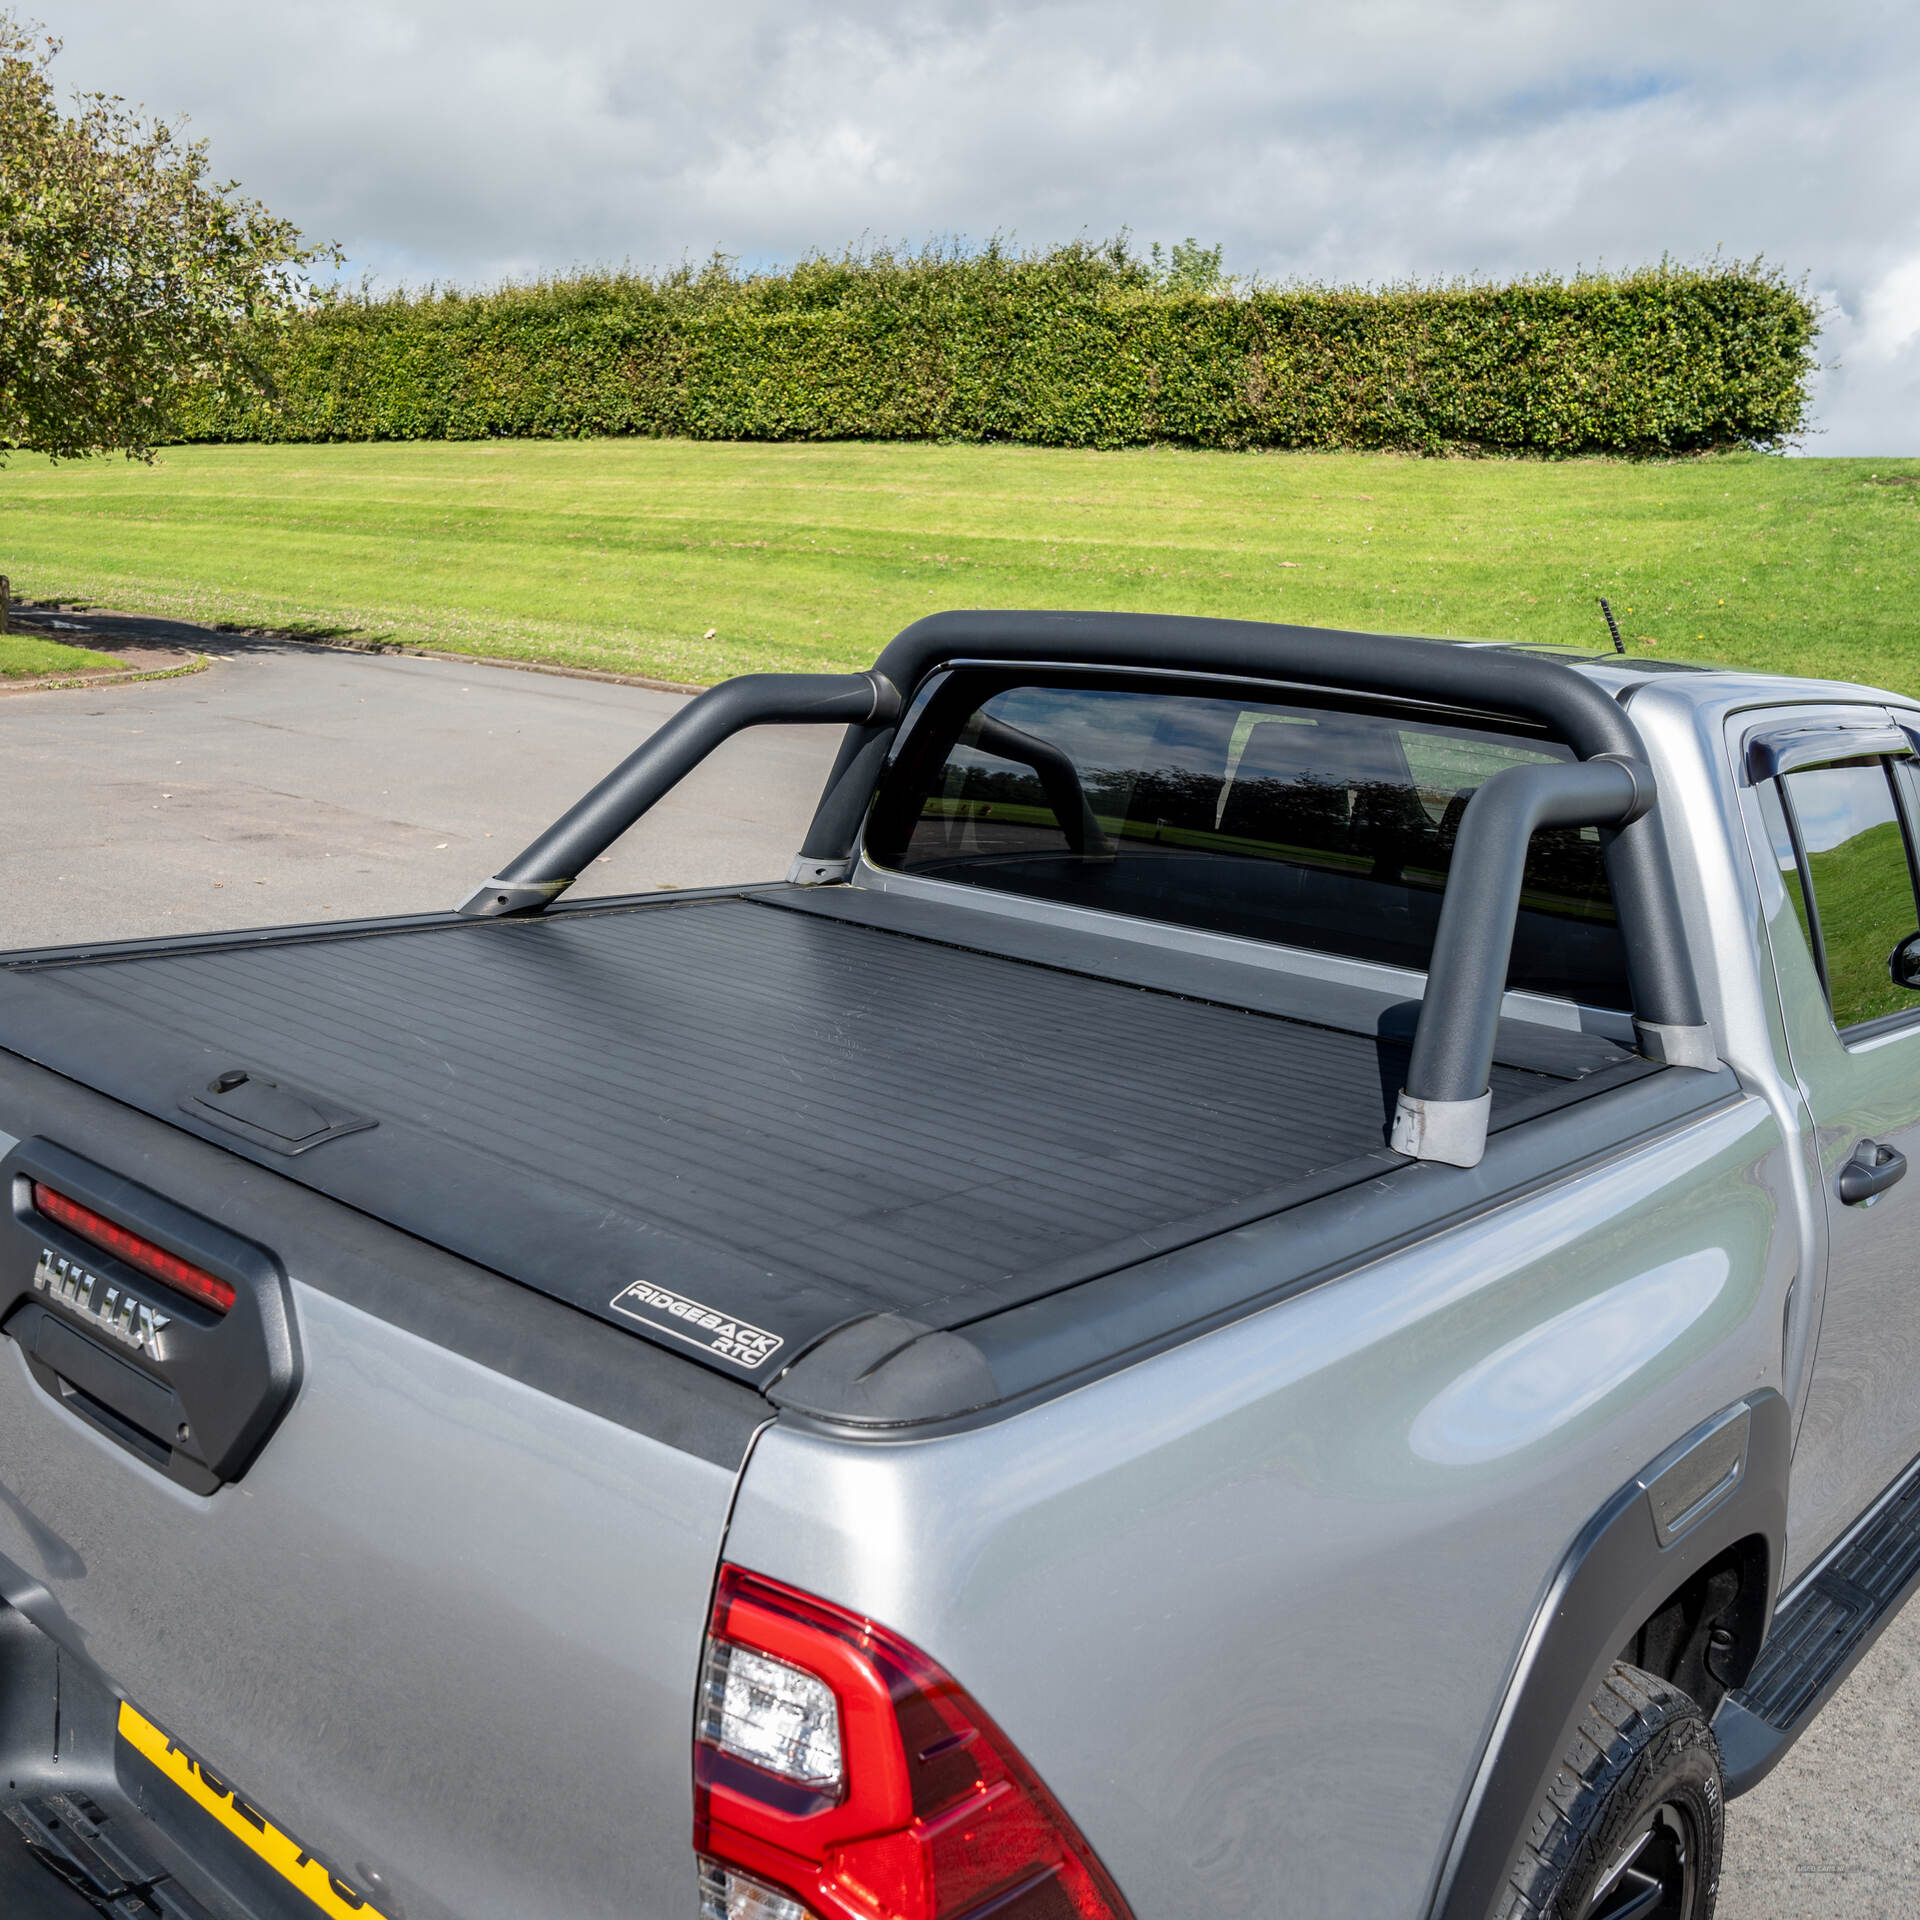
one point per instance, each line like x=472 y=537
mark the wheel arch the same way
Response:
x=1717 y=1496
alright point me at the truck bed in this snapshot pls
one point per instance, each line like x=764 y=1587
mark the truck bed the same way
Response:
x=784 y=1109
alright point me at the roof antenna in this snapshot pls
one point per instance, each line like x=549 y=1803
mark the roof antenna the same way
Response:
x=1613 y=626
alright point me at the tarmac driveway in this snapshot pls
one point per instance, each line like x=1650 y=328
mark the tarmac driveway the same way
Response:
x=297 y=783
x=292 y=783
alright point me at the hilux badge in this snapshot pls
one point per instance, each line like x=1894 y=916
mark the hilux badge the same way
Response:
x=698 y=1325
x=113 y=1310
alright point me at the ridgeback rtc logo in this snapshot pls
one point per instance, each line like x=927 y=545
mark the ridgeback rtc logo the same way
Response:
x=698 y=1325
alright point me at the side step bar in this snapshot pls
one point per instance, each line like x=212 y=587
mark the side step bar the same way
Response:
x=1821 y=1631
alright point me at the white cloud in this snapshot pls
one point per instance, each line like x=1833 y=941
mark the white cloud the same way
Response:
x=1891 y=321
x=1373 y=140
x=1867 y=398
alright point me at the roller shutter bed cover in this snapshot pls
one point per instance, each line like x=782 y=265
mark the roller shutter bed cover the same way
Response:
x=731 y=1127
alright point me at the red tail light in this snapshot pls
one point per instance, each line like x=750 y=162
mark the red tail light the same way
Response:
x=840 y=1773
x=140 y=1254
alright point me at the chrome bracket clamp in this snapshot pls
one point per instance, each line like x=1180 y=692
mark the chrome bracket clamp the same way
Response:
x=817 y=873
x=1677 y=1046
x=1453 y=1132
x=494 y=898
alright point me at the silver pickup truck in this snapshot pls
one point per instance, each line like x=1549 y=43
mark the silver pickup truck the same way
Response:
x=1273 y=1284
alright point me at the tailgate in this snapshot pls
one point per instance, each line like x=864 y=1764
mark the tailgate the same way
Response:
x=423 y=1637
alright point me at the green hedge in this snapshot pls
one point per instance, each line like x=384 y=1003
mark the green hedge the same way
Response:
x=1083 y=346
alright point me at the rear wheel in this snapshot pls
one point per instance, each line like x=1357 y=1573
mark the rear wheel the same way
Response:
x=1630 y=1828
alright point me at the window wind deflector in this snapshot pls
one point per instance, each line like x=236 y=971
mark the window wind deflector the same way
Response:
x=1783 y=749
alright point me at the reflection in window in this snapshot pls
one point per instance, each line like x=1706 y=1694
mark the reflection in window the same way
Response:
x=1853 y=850
x=1301 y=824
x=1787 y=857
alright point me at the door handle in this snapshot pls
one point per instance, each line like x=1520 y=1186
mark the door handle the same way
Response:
x=1872 y=1170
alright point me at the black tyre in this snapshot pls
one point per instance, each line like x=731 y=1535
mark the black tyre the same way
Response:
x=1631 y=1827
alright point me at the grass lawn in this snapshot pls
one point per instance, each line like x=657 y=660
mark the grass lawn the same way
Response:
x=23 y=657
x=691 y=560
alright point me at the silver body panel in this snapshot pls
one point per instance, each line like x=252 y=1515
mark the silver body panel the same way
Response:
x=1862 y=1407
x=446 y=1628
x=1270 y=1584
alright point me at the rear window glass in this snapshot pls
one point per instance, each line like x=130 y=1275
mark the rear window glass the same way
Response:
x=1310 y=826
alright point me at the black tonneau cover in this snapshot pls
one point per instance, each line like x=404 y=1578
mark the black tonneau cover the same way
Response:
x=734 y=1123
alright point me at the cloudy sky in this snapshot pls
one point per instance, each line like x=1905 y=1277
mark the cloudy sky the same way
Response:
x=1361 y=140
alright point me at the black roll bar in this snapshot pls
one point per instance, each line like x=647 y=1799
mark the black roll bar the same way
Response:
x=1443 y=1109
x=553 y=862
x=1569 y=704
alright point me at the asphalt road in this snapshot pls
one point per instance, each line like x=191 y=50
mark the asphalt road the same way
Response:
x=293 y=783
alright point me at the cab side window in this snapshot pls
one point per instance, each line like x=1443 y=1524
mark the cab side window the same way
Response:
x=1849 y=842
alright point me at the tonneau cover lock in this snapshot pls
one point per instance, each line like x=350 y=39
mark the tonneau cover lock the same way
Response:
x=271 y=1112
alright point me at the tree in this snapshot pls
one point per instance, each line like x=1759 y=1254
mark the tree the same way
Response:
x=127 y=273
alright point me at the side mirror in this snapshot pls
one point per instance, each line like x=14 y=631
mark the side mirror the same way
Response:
x=1904 y=963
